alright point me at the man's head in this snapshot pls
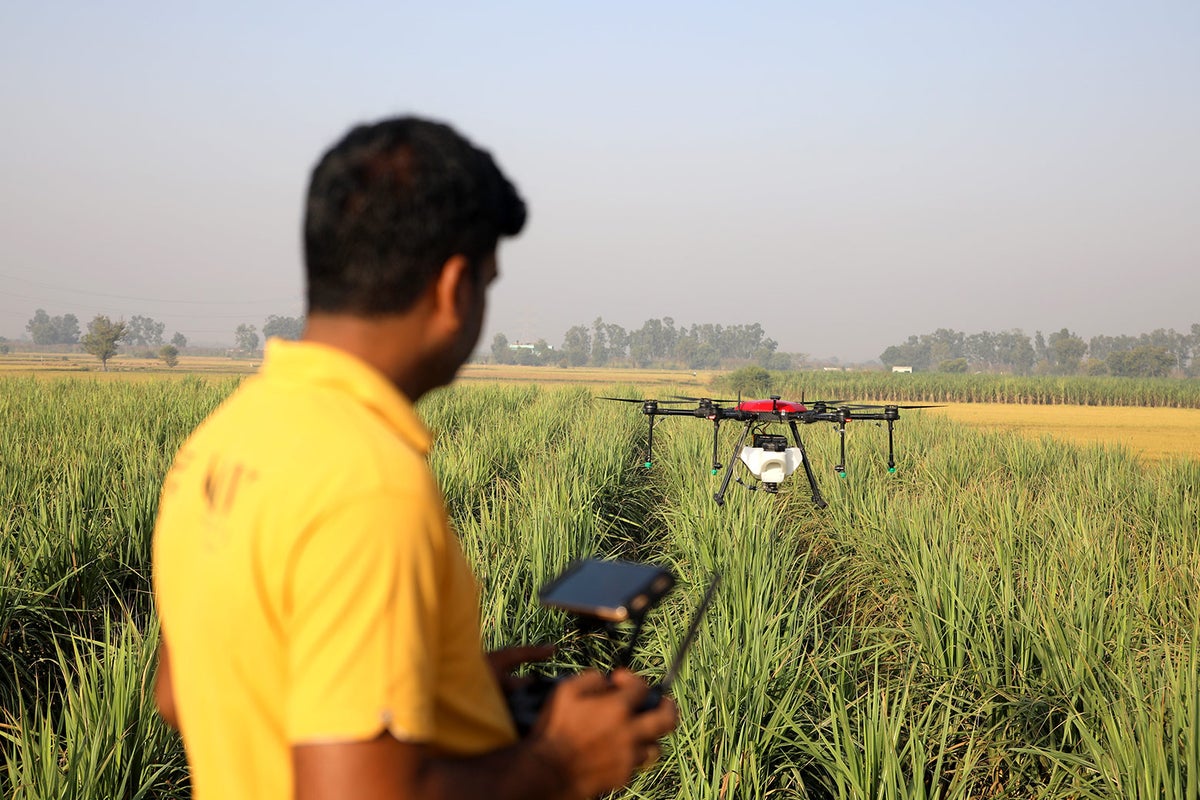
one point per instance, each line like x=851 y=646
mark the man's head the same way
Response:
x=389 y=205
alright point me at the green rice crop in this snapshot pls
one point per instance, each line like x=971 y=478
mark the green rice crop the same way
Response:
x=999 y=618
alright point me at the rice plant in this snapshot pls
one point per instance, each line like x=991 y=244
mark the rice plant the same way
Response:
x=999 y=618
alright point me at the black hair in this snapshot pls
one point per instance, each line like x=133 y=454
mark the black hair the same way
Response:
x=389 y=204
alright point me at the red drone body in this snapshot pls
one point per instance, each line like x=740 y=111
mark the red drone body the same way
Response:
x=773 y=405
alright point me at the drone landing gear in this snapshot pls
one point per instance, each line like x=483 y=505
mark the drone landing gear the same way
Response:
x=891 y=457
x=817 y=499
x=769 y=486
x=737 y=449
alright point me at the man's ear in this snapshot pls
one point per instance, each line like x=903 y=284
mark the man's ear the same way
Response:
x=450 y=291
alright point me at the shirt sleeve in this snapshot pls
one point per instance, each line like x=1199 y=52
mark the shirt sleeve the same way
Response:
x=361 y=621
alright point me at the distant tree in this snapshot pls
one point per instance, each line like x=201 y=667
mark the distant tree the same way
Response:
x=68 y=328
x=1193 y=368
x=144 y=332
x=1146 y=361
x=170 y=354
x=102 y=337
x=246 y=339
x=500 y=352
x=765 y=352
x=953 y=365
x=179 y=340
x=752 y=381
x=913 y=353
x=40 y=328
x=782 y=362
x=291 y=328
x=44 y=329
x=686 y=349
x=706 y=356
x=524 y=357
x=945 y=345
x=577 y=345
x=1014 y=350
x=1066 y=351
x=617 y=341
x=600 y=353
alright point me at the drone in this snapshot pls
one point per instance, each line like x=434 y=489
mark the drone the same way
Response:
x=770 y=458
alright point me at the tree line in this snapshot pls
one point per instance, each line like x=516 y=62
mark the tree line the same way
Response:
x=1161 y=353
x=657 y=343
x=106 y=337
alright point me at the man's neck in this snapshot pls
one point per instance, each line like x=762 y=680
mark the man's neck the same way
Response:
x=392 y=344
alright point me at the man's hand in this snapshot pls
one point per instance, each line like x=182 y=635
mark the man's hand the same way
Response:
x=591 y=730
x=164 y=692
x=588 y=741
x=503 y=662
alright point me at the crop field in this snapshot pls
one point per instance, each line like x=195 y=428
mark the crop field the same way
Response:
x=1005 y=616
x=1151 y=433
x=121 y=367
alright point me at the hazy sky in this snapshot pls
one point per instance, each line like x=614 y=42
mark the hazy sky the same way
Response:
x=846 y=174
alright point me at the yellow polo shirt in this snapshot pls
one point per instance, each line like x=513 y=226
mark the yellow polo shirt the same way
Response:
x=309 y=585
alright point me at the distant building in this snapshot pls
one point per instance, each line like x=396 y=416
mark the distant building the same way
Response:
x=901 y=369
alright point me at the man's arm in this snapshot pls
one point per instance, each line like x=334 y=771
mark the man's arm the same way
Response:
x=164 y=693
x=589 y=740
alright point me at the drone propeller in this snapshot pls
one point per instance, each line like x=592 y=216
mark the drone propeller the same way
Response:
x=650 y=409
x=702 y=399
x=642 y=402
x=854 y=406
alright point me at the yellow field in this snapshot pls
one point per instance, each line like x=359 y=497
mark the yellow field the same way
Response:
x=1154 y=433
x=77 y=364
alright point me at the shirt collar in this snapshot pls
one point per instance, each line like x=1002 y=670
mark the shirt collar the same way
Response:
x=321 y=364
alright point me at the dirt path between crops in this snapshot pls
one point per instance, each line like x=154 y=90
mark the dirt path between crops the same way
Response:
x=1156 y=433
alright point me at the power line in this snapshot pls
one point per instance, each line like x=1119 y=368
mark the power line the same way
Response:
x=141 y=299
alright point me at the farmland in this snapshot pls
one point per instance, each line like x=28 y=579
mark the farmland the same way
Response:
x=1007 y=615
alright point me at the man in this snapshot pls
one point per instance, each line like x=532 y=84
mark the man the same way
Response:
x=320 y=624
